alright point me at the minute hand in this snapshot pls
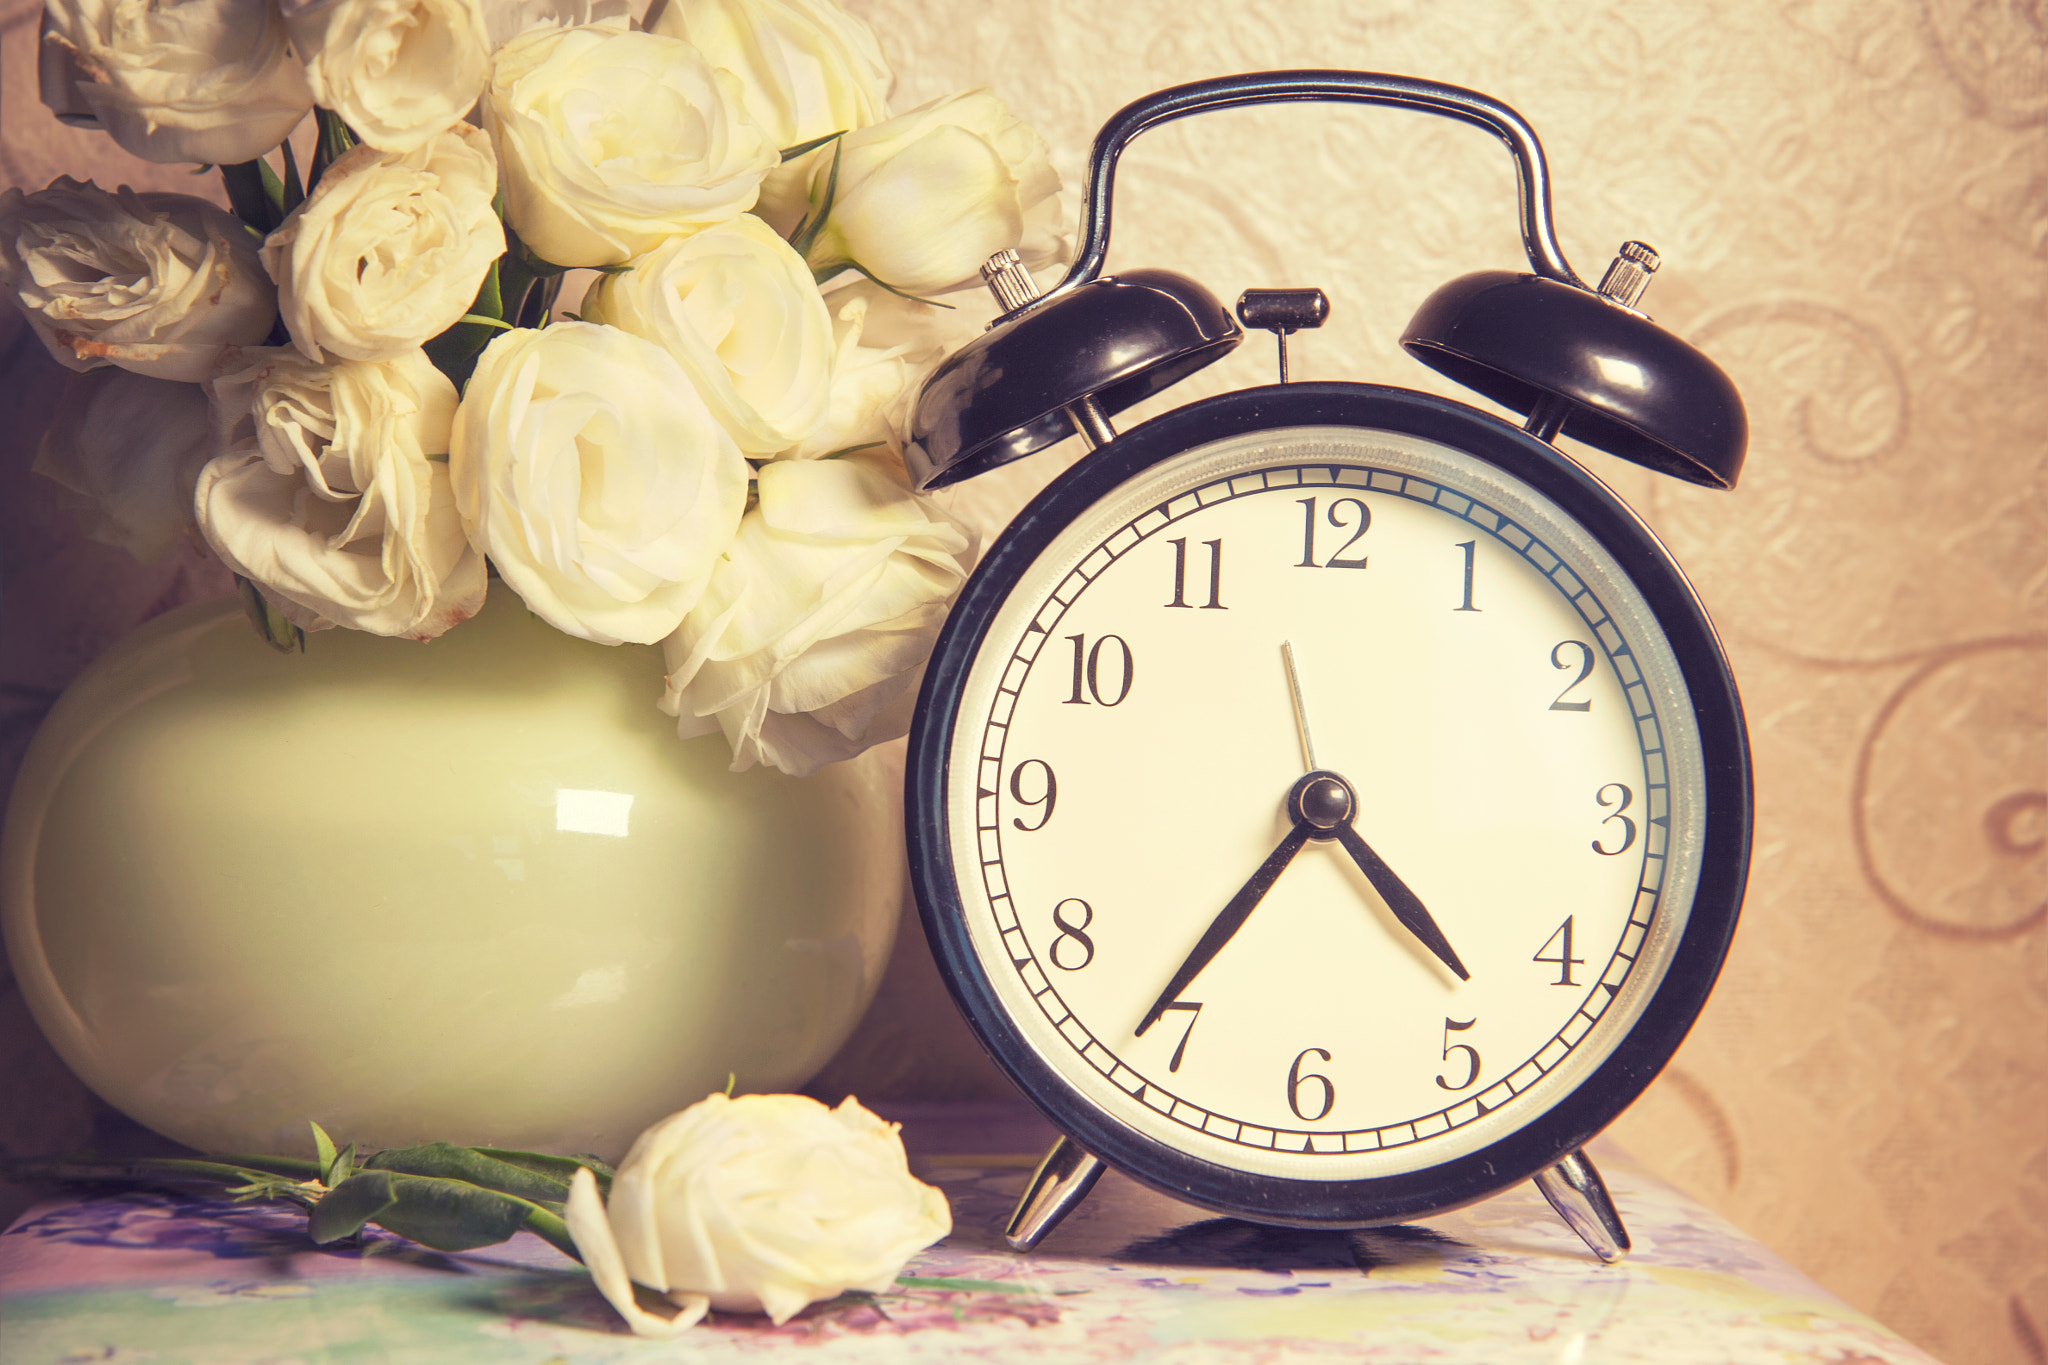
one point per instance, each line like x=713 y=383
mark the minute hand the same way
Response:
x=1406 y=906
x=1230 y=920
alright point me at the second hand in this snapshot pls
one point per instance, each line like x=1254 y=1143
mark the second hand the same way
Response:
x=1308 y=744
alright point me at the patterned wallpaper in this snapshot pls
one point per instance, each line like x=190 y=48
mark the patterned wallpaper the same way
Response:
x=1852 y=204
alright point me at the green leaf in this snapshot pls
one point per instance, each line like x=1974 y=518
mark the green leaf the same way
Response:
x=248 y=195
x=448 y=1215
x=293 y=193
x=550 y=1227
x=446 y=1161
x=790 y=154
x=454 y=352
x=528 y=283
x=360 y=1199
x=539 y=299
x=323 y=1151
x=336 y=138
x=293 y=1167
x=806 y=233
x=985 y=1286
x=280 y=634
x=562 y=1168
x=825 y=272
x=272 y=1187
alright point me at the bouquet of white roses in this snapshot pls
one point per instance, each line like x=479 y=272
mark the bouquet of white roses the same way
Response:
x=359 y=388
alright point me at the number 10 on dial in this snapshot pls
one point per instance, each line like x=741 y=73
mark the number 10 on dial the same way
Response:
x=1348 y=933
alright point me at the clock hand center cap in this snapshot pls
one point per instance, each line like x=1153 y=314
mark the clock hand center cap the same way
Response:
x=1324 y=800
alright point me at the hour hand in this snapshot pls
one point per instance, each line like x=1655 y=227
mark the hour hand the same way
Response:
x=1406 y=906
x=1229 y=921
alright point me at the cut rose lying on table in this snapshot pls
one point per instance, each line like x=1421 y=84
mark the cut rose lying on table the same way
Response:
x=746 y=1204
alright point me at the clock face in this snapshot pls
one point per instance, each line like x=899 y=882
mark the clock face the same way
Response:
x=1523 y=764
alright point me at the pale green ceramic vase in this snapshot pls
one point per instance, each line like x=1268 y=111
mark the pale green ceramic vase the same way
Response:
x=472 y=890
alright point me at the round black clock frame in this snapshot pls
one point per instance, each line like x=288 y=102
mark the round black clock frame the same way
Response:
x=1679 y=997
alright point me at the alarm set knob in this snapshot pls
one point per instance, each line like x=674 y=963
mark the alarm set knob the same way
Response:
x=1283 y=312
x=1628 y=275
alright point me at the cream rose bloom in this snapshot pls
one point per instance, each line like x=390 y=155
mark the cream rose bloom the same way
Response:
x=924 y=198
x=154 y=283
x=735 y=305
x=212 y=81
x=505 y=20
x=127 y=450
x=808 y=644
x=612 y=141
x=397 y=71
x=594 y=477
x=870 y=392
x=390 y=248
x=809 y=70
x=754 y=1204
x=332 y=495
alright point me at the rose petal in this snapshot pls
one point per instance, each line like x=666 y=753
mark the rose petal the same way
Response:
x=592 y=1232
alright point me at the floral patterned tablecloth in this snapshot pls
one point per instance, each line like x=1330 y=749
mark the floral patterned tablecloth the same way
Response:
x=1131 y=1277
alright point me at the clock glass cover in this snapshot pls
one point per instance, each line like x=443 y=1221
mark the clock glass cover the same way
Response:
x=1523 y=757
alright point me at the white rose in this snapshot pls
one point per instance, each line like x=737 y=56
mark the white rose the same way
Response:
x=807 y=646
x=923 y=199
x=397 y=71
x=611 y=141
x=333 y=494
x=809 y=69
x=592 y=474
x=389 y=249
x=212 y=81
x=755 y=1204
x=737 y=307
x=128 y=448
x=870 y=392
x=505 y=20
x=154 y=283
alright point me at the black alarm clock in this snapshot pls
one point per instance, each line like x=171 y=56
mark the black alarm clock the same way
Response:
x=1328 y=802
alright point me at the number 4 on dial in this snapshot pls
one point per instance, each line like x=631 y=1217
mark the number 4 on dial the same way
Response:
x=1562 y=937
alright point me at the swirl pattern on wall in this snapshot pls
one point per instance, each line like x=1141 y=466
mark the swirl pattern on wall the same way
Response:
x=1825 y=374
x=1998 y=51
x=1971 y=722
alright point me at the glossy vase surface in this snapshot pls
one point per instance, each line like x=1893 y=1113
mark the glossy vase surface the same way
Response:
x=474 y=890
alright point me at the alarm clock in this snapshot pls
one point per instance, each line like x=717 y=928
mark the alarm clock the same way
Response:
x=1328 y=802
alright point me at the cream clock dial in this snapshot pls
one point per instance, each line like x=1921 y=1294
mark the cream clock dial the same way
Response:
x=1324 y=805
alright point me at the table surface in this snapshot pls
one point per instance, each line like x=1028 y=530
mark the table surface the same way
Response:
x=1131 y=1276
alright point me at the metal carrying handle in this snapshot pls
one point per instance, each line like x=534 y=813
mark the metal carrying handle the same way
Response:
x=1539 y=235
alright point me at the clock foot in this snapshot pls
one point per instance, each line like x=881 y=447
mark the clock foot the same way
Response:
x=1580 y=1197
x=1062 y=1180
